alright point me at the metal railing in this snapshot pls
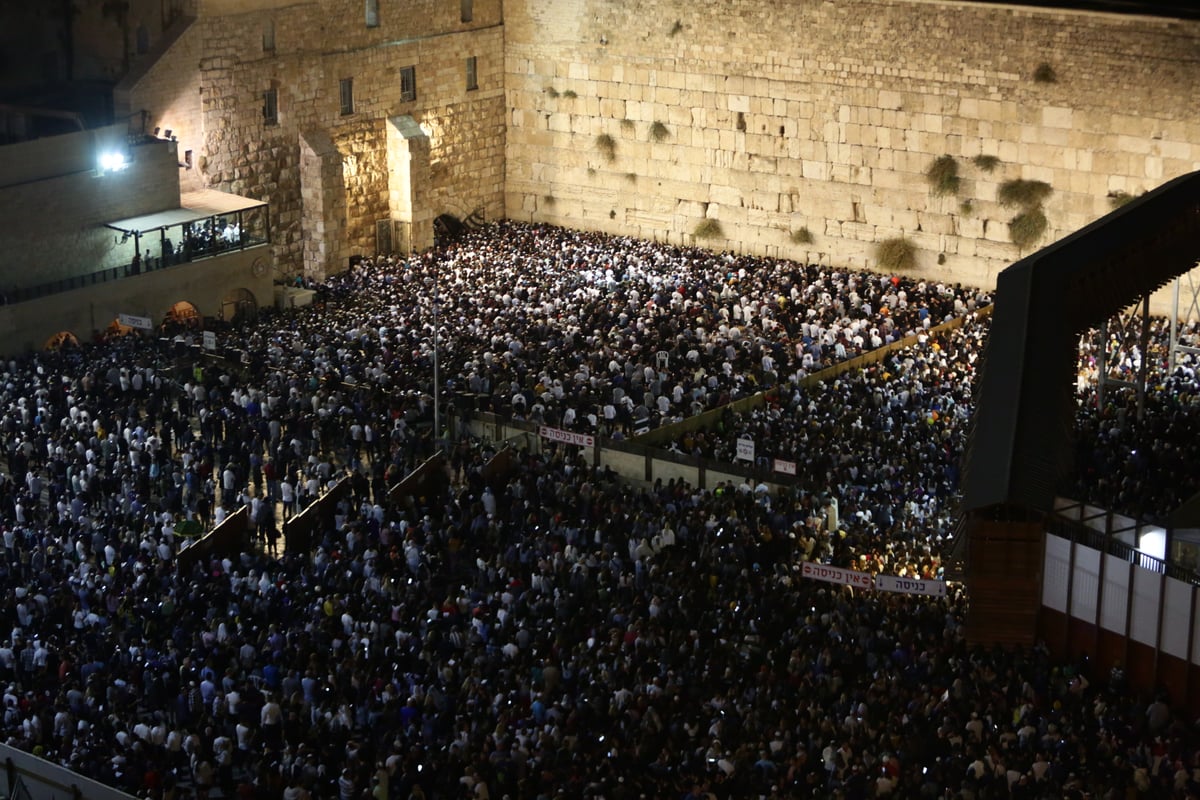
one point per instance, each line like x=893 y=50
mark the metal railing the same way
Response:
x=24 y=294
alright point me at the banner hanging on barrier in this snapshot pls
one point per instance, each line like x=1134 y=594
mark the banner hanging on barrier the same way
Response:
x=846 y=577
x=865 y=580
x=894 y=583
x=567 y=437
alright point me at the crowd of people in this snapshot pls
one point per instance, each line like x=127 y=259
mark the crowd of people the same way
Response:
x=548 y=629
x=1139 y=461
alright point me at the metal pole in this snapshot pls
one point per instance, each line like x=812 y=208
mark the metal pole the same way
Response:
x=437 y=412
x=1174 y=329
x=1144 y=344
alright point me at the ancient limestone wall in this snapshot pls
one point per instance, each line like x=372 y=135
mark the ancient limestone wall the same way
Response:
x=775 y=119
x=316 y=46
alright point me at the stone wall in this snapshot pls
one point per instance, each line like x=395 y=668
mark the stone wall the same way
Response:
x=316 y=45
x=56 y=217
x=773 y=119
x=205 y=284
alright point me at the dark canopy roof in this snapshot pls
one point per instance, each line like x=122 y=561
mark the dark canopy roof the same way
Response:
x=1024 y=409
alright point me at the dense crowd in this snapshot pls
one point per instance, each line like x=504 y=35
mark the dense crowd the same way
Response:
x=1139 y=462
x=549 y=631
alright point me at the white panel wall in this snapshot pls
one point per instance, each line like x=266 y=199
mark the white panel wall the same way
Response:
x=1116 y=594
x=1147 y=594
x=1177 y=606
x=1056 y=573
x=1085 y=584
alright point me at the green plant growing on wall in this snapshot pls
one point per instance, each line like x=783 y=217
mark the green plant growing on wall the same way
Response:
x=966 y=208
x=627 y=125
x=1045 y=74
x=591 y=172
x=612 y=213
x=986 y=163
x=570 y=94
x=659 y=131
x=801 y=235
x=631 y=177
x=548 y=201
x=708 y=229
x=1118 y=199
x=1028 y=227
x=676 y=29
x=942 y=175
x=941 y=259
x=607 y=146
x=1024 y=193
x=896 y=254
x=551 y=91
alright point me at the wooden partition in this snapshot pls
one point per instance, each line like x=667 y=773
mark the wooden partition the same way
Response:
x=1004 y=576
x=226 y=540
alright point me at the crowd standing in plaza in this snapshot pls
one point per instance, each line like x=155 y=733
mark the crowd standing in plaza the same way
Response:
x=552 y=631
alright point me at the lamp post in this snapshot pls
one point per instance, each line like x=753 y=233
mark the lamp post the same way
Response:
x=437 y=415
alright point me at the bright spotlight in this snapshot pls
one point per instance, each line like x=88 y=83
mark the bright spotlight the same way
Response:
x=112 y=161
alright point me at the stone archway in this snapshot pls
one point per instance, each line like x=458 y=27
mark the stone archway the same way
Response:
x=239 y=305
x=61 y=340
x=181 y=316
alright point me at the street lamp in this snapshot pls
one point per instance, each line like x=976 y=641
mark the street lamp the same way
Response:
x=437 y=415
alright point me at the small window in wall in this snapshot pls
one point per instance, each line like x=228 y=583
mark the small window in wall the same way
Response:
x=271 y=107
x=472 y=73
x=268 y=36
x=408 y=84
x=143 y=40
x=467 y=10
x=372 y=13
x=346 y=92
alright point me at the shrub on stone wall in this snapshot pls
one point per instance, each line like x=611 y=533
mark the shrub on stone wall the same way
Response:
x=896 y=254
x=1028 y=227
x=659 y=131
x=802 y=236
x=966 y=208
x=627 y=125
x=1118 y=199
x=942 y=175
x=1024 y=193
x=708 y=229
x=607 y=146
x=676 y=29
x=986 y=163
x=570 y=94
x=551 y=91
x=1045 y=74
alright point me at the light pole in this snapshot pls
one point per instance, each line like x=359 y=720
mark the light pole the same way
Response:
x=437 y=415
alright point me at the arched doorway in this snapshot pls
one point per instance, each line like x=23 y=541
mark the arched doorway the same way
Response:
x=180 y=317
x=115 y=330
x=239 y=306
x=60 y=340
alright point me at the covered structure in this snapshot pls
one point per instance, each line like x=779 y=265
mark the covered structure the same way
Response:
x=206 y=223
x=1020 y=445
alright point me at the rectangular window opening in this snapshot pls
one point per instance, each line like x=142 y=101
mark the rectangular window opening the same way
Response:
x=372 y=13
x=268 y=36
x=472 y=73
x=271 y=107
x=467 y=10
x=408 y=84
x=346 y=92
